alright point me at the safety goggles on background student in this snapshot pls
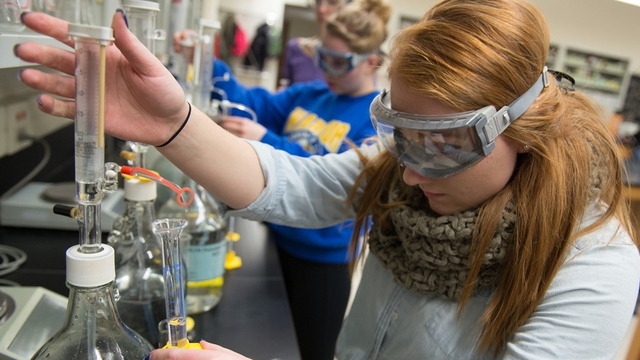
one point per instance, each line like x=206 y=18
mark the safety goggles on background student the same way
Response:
x=337 y=63
x=442 y=145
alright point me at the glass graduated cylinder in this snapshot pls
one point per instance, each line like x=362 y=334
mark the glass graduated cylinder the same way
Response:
x=205 y=252
x=169 y=231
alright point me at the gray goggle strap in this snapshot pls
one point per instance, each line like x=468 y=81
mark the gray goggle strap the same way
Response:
x=505 y=116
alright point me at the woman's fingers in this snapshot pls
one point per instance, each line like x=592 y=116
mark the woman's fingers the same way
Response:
x=48 y=25
x=223 y=352
x=59 y=85
x=49 y=56
x=140 y=58
x=57 y=107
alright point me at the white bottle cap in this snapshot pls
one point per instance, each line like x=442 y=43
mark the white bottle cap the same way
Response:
x=142 y=5
x=90 y=270
x=140 y=189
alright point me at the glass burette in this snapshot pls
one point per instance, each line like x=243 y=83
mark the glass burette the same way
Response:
x=90 y=52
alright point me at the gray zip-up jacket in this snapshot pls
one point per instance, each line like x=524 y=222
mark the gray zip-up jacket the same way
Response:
x=584 y=314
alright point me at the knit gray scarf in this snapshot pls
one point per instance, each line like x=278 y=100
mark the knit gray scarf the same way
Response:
x=428 y=253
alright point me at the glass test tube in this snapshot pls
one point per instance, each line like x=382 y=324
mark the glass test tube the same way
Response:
x=169 y=232
x=203 y=63
x=90 y=52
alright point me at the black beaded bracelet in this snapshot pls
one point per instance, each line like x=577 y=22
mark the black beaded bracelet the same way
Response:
x=181 y=127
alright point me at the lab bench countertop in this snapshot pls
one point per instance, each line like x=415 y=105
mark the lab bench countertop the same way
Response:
x=252 y=318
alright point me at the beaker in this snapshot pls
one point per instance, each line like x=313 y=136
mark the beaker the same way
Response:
x=169 y=230
x=142 y=21
x=10 y=16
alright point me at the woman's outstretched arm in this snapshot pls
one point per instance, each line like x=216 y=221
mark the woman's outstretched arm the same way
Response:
x=144 y=103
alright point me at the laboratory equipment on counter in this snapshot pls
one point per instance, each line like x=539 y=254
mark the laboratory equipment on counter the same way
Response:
x=90 y=51
x=183 y=66
x=203 y=63
x=169 y=231
x=10 y=16
x=29 y=316
x=183 y=15
x=218 y=108
x=219 y=104
x=139 y=276
x=45 y=6
x=138 y=257
x=231 y=260
x=30 y=207
x=207 y=248
x=162 y=21
x=75 y=11
x=141 y=16
x=92 y=328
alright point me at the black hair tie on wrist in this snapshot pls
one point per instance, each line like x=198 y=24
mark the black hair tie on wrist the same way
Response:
x=180 y=129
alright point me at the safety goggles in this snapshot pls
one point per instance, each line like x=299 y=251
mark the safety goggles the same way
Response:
x=337 y=63
x=442 y=145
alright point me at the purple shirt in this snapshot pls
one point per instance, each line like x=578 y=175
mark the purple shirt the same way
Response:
x=298 y=66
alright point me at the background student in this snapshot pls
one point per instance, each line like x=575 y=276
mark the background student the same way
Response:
x=299 y=60
x=318 y=118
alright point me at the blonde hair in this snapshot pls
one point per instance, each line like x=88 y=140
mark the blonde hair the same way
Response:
x=362 y=25
x=473 y=53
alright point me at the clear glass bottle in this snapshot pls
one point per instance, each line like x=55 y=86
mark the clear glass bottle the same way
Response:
x=138 y=253
x=93 y=328
x=205 y=255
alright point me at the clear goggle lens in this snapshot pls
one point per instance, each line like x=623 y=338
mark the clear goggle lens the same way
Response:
x=438 y=146
x=337 y=63
x=434 y=154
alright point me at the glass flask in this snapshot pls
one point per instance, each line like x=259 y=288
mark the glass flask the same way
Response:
x=10 y=16
x=138 y=254
x=93 y=328
x=207 y=248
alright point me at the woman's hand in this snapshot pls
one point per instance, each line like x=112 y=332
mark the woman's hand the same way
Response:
x=243 y=127
x=209 y=352
x=143 y=100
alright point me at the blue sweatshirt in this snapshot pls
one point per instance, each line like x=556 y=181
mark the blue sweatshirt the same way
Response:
x=306 y=119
